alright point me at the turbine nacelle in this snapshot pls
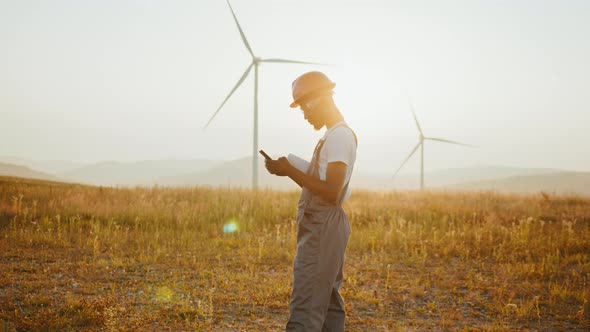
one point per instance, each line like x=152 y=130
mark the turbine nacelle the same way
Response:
x=421 y=139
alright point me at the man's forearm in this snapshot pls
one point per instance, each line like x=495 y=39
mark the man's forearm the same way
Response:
x=313 y=183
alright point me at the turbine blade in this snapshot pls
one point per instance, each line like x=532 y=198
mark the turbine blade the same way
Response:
x=230 y=93
x=448 y=141
x=415 y=118
x=240 y=28
x=292 y=61
x=407 y=158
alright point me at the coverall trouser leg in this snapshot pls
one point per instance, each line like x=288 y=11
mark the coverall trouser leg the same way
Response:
x=316 y=304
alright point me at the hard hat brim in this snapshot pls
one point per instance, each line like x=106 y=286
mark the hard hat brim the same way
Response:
x=319 y=92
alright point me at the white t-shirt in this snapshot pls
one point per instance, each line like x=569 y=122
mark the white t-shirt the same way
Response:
x=339 y=145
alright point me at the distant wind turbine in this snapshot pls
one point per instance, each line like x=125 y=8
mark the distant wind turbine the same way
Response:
x=256 y=61
x=420 y=145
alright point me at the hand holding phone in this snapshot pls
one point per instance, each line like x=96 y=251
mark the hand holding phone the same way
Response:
x=267 y=157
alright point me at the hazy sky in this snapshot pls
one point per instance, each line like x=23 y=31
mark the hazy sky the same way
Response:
x=133 y=80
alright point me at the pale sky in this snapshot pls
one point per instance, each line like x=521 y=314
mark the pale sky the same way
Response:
x=90 y=81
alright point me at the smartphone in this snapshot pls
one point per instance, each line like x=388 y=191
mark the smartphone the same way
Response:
x=265 y=155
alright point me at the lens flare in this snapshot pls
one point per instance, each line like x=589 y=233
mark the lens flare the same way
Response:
x=231 y=226
x=164 y=294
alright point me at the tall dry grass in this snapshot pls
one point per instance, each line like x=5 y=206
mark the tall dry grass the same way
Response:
x=79 y=257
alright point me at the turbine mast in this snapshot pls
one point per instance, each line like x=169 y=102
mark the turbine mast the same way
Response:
x=255 y=143
x=255 y=62
x=422 y=165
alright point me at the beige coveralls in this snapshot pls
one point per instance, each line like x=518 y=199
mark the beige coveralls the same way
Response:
x=322 y=234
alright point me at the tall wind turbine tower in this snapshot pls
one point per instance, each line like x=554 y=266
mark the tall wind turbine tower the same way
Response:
x=421 y=139
x=256 y=61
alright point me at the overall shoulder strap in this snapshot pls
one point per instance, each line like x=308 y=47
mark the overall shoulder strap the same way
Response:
x=320 y=145
x=343 y=124
x=345 y=188
x=315 y=159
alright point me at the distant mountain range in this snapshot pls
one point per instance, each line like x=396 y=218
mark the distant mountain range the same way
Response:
x=147 y=172
x=47 y=166
x=558 y=183
x=446 y=177
x=24 y=172
x=237 y=173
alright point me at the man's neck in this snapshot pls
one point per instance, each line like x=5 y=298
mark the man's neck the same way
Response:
x=334 y=118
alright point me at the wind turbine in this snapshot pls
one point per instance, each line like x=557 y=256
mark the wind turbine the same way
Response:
x=421 y=139
x=256 y=61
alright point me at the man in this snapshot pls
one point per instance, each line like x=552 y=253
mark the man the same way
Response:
x=322 y=225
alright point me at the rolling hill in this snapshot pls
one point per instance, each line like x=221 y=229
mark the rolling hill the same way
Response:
x=24 y=172
x=134 y=173
x=45 y=166
x=237 y=173
x=498 y=178
x=558 y=183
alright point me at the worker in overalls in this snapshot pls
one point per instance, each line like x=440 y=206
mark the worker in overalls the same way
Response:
x=322 y=226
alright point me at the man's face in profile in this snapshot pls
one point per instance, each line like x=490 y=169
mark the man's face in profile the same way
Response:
x=313 y=113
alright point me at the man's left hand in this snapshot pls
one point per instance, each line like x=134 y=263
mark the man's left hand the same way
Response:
x=279 y=167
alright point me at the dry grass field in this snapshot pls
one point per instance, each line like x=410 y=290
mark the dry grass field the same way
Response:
x=76 y=257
